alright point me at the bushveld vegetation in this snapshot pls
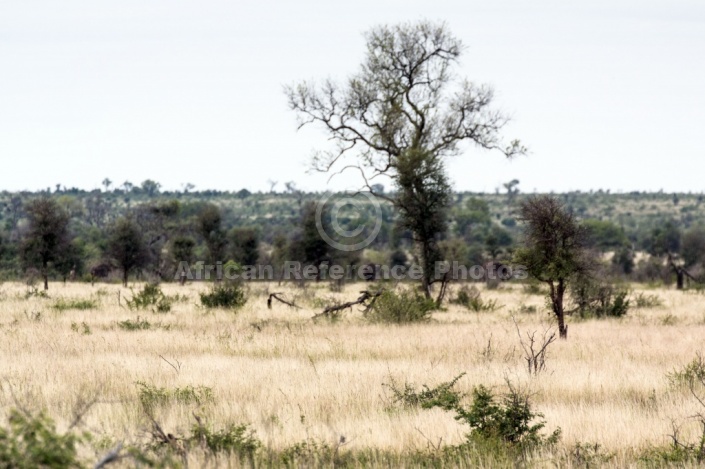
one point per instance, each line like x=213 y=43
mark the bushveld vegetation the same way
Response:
x=481 y=227
x=182 y=373
x=272 y=387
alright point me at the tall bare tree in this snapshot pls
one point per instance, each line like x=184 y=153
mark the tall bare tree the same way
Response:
x=402 y=115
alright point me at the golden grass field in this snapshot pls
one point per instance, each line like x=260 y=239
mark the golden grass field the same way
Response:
x=292 y=378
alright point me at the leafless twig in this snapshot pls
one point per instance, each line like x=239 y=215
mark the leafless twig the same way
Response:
x=176 y=367
x=535 y=352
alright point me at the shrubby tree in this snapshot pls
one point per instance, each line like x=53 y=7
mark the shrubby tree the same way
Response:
x=71 y=261
x=605 y=235
x=307 y=246
x=14 y=211
x=401 y=116
x=98 y=209
x=472 y=218
x=693 y=247
x=209 y=226
x=182 y=248
x=157 y=220
x=554 y=250
x=151 y=188
x=512 y=190
x=127 y=247
x=497 y=241
x=244 y=245
x=667 y=241
x=47 y=241
x=624 y=259
x=665 y=238
x=398 y=258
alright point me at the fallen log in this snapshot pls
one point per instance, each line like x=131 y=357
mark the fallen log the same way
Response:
x=364 y=297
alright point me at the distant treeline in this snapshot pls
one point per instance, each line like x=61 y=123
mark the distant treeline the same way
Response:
x=76 y=234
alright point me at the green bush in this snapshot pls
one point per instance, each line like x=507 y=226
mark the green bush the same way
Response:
x=34 y=292
x=642 y=300
x=63 y=304
x=442 y=395
x=151 y=296
x=229 y=295
x=84 y=328
x=233 y=439
x=151 y=396
x=689 y=374
x=589 y=455
x=471 y=298
x=507 y=423
x=598 y=299
x=403 y=307
x=32 y=441
x=136 y=325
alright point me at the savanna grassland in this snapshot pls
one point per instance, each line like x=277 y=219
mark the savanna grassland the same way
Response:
x=82 y=352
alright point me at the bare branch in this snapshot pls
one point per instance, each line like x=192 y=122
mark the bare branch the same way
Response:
x=364 y=297
x=275 y=296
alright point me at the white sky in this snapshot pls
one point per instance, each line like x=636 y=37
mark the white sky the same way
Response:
x=606 y=94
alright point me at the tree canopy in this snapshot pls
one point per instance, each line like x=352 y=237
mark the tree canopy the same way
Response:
x=47 y=241
x=400 y=116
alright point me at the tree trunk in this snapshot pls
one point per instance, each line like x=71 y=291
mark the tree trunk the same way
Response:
x=562 y=327
x=557 y=294
x=680 y=277
x=442 y=290
x=424 y=250
x=124 y=278
x=426 y=286
x=45 y=274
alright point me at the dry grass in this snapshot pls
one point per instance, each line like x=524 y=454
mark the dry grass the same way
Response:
x=294 y=379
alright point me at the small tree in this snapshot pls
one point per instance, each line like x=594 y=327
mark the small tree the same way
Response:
x=554 y=249
x=48 y=237
x=667 y=241
x=127 y=247
x=151 y=188
x=512 y=190
x=182 y=251
x=308 y=246
x=244 y=245
x=693 y=249
x=209 y=226
x=497 y=240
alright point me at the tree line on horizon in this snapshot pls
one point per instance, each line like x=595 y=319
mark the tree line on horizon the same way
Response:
x=45 y=235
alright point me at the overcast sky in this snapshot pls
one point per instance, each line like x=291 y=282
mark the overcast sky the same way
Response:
x=606 y=94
